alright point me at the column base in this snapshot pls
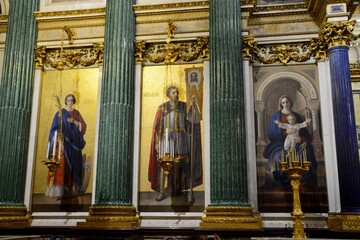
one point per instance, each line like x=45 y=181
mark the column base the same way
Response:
x=344 y=221
x=111 y=217
x=230 y=217
x=14 y=217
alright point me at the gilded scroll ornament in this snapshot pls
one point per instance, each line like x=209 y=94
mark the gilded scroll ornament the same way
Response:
x=275 y=53
x=250 y=47
x=173 y=52
x=70 y=32
x=170 y=31
x=69 y=58
x=319 y=48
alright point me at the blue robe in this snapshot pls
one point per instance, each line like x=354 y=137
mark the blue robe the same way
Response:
x=73 y=141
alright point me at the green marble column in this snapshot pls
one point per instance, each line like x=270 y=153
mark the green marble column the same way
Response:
x=15 y=109
x=228 y=167
x=113 y=194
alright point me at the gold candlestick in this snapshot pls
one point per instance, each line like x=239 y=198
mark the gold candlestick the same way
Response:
x=295 y=168
x=166 y=163
x=52 y=164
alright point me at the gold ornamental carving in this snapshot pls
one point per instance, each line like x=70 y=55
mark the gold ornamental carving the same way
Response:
x=111 y=216
x=70 y=57
x=185 y=51
x=337 y=33
x=156 y=7
x=14 y=217
x=70 y=32
x=332 y=34
x=355 y=72
x=171 y=52
x=275 y=53
x=344 y=221
x=78 y=12
x=230 y=217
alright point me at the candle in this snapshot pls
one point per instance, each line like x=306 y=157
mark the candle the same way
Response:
x=54 y=146
x=173 y=148
x=159 y=146
x=293 y=155
x=167 y=140
x=47 y=151
x=162 y=148
x=305 y=157
x=282 y=156
x=59 y=151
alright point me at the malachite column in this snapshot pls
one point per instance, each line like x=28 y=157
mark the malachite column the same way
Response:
x=338 y=36
x=229 y=207
x=15 y=109
x=113 y=194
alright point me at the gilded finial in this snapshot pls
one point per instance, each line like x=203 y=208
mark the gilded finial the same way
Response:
x=170 y=31
x=70 y=32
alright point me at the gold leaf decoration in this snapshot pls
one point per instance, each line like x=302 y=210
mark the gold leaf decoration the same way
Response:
x=172 y=52
x=69 y=58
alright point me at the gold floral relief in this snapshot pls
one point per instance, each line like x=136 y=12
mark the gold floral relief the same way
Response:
x=172 y=52
x=69 y=58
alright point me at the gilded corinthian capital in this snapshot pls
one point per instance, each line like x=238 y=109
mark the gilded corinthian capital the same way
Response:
x=338 y=33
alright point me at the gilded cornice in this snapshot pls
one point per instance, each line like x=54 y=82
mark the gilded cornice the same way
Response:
x=155 y=7
x=280 y=7
x=174 y=52
x=178 y=32
x=248 y=2
x=84 y=25
x=278 y=18
x=72 y=19
x=287 y=34
x=171 y=12
x=166 y=20
x=70 y=13
x=4 y=17
x=69 y=58
x=355 y=72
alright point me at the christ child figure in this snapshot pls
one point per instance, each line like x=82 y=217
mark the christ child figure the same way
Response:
x=292 y=130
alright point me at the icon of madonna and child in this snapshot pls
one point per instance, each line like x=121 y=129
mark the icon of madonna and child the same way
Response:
x=287 y=134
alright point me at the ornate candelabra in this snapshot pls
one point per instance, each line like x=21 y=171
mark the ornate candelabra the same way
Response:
x=166 y=159
x=53 y=160
x=295 y=165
